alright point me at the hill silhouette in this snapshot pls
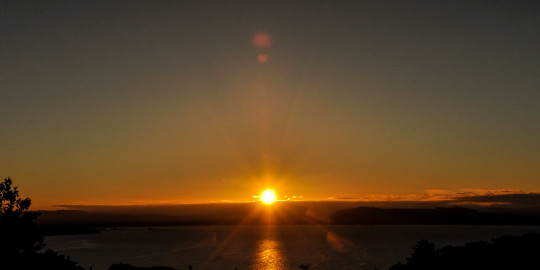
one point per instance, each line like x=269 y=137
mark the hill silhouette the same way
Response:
x=432 y=216
x=291 y=213
x=212 y=214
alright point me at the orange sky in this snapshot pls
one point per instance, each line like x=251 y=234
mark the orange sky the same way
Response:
x=182 y=102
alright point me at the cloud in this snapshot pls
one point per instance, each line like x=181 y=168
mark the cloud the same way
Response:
x=487 y=197
x=475 y=198
x=517 y=199
x=464 y=197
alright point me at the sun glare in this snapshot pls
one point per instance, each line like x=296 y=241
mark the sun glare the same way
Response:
x=268 y=196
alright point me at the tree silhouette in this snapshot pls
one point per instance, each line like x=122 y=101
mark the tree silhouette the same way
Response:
x=20 y=239
x=17 y=224
x=505 y=252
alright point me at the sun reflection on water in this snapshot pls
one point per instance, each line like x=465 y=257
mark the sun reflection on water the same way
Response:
x=269 y=256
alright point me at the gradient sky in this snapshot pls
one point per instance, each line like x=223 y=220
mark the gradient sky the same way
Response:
x=119 y=102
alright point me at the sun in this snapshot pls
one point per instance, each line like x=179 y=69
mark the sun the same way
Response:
x=268 y=196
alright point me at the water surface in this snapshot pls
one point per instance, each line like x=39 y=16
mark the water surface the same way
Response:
x=265 y=247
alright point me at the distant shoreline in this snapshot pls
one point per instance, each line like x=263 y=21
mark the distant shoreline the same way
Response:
x=80 y=222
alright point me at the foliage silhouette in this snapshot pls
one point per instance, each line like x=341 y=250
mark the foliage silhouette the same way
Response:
x=17 y=224
x=506 y=252
x=20 y=239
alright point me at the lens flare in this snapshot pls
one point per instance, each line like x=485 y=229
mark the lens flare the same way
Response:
x=262 y=58
x=338 y=243
x=261 y=40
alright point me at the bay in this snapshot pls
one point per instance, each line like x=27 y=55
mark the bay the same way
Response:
x=265 y=247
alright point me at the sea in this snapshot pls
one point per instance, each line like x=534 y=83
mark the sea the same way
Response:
x=264 y=247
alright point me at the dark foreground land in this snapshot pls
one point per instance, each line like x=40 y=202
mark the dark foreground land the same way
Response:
x=506 y=252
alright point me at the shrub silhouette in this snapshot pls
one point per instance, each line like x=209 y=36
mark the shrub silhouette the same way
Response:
x=20 y=240
x=506 y=252
x=17 y=224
